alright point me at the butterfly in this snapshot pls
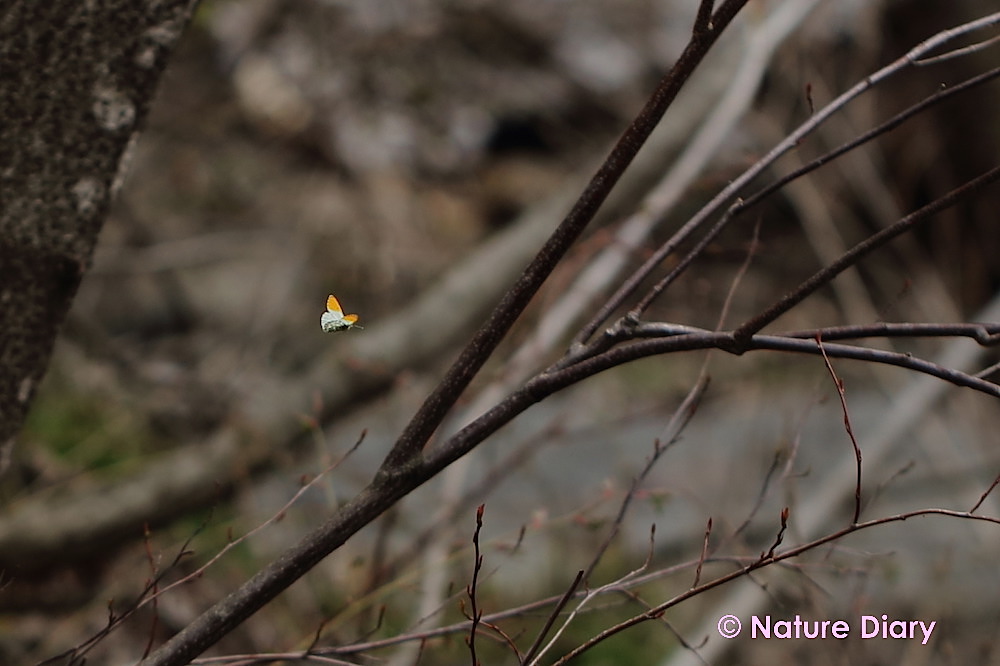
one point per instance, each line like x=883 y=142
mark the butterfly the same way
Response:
x=334 y=319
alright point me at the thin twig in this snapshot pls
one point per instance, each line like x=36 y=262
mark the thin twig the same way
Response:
x=866 y=246
x=874 y=494
x=739 y=95
x=790 y=142
x=153 y=584
x=704 y=553
x=778 y=538
x=614 y=585
x=982 y=498
x=152 y=591
x=553 y=616
x=760 y=563
x=678 y=421
x=839 y=384
x=956 y=53
x=472 y=589
x=484 y=342
x=938 y=96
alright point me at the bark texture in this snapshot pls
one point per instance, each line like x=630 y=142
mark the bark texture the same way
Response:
x=76 y=80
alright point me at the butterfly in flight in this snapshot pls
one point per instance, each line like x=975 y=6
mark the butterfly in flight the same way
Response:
x=334 y=319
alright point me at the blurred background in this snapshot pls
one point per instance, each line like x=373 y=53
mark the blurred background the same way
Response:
x=304 y=147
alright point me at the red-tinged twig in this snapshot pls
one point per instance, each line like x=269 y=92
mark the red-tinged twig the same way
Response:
x=472 y=589
x=519 y=611
x=779 y=537
x=271 y=658
x=517 y=458
x=462 y=627
x=672 y=432
x=152 y=591
x=152 y=585
x=76 y=654
x=877 y=491
x=533 y=607
x=276 y=517
x=504 y=636
x=765 y=488
x=704 y=553
x=652 y=546
x=982 y=498
x=760 y=563
x=520 y=539
x=769 y=483
x=681 y=640
x=839 y=383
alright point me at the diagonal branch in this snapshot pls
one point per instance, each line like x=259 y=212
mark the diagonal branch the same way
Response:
x=742 y=334
x=402 y=470
x=769 y=559
x=839 y=384
x=791 y=141
x=485 y=341
x=742 y=205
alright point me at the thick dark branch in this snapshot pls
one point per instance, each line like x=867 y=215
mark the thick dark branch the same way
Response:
x=793 y=139
x=548 y=383
x=402 y=470
x=986 y=334
x=433 y=411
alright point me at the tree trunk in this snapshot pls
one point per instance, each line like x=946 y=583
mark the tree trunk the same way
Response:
x=76 y=80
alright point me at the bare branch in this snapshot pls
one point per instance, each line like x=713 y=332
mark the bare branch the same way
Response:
x=852 y=256
x=704 y=553
x=760 y=563
x=472 y=589
x=434 y=409
x=553 y=616
x=839 y=384
x=982 y=498
x=792 y=140
x=403 y=470
x=778 y=538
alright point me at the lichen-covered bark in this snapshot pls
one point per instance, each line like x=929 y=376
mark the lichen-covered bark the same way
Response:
x=76 y=80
